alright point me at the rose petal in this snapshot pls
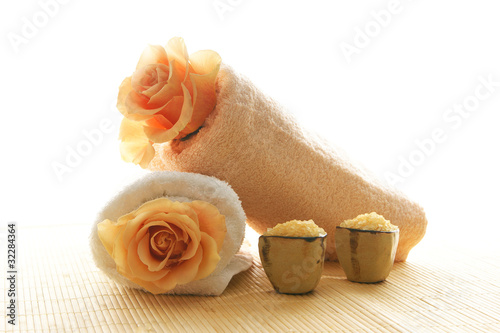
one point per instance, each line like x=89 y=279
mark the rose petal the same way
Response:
x=159 y=122
x=165 y=284
x=210 y=220
x=185 y=218
x=167 y=236
x=123 y=91
x=210 y=256
x=187 y=224
x=204 y=99
x=205 y=61
x=163 y=135
x=135 y=223
x=173 y=110
x=164 y=205
x=119 y=255
x=149 y=286
x=191 y=229
x=178 y=249
x=171 y=89
x=137 y=107
x=150 y=79
x=154 y=89
x=107 y=231
x=177 y=51
x=152 y=263
x=153 y=54
x=135 y=147
x=153 y=209
x=137 y=267
x=144 y=253
x=169 y=115
x=182 y=273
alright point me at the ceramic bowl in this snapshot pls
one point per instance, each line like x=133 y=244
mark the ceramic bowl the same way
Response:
x=366 y=256
x=293 y=264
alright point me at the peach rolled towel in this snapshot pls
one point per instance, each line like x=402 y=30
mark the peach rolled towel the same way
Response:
x=280 y=171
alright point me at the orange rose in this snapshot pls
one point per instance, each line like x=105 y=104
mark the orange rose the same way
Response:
x=168 y=97
x=165 y=243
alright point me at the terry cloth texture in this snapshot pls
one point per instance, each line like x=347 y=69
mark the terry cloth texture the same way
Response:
x=183 y=187
x=281 y=172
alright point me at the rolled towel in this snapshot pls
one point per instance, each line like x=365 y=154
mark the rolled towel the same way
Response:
x=204 y=214
x=280 y=171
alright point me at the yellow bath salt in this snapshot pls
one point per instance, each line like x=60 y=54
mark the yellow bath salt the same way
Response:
x=296 y=228
x=371 y=221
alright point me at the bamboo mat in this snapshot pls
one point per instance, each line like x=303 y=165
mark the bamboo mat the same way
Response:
x=60 y=290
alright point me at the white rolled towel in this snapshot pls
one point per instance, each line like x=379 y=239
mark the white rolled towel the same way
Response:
x=178 y=187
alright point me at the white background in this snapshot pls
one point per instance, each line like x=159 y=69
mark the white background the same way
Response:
x=63 y=79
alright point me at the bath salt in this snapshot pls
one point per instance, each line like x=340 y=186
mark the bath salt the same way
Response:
x=371 y=221
x=296 y=228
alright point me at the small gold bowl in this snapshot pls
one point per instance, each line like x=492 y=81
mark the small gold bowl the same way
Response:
x=293 y=264
x=366 y=256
